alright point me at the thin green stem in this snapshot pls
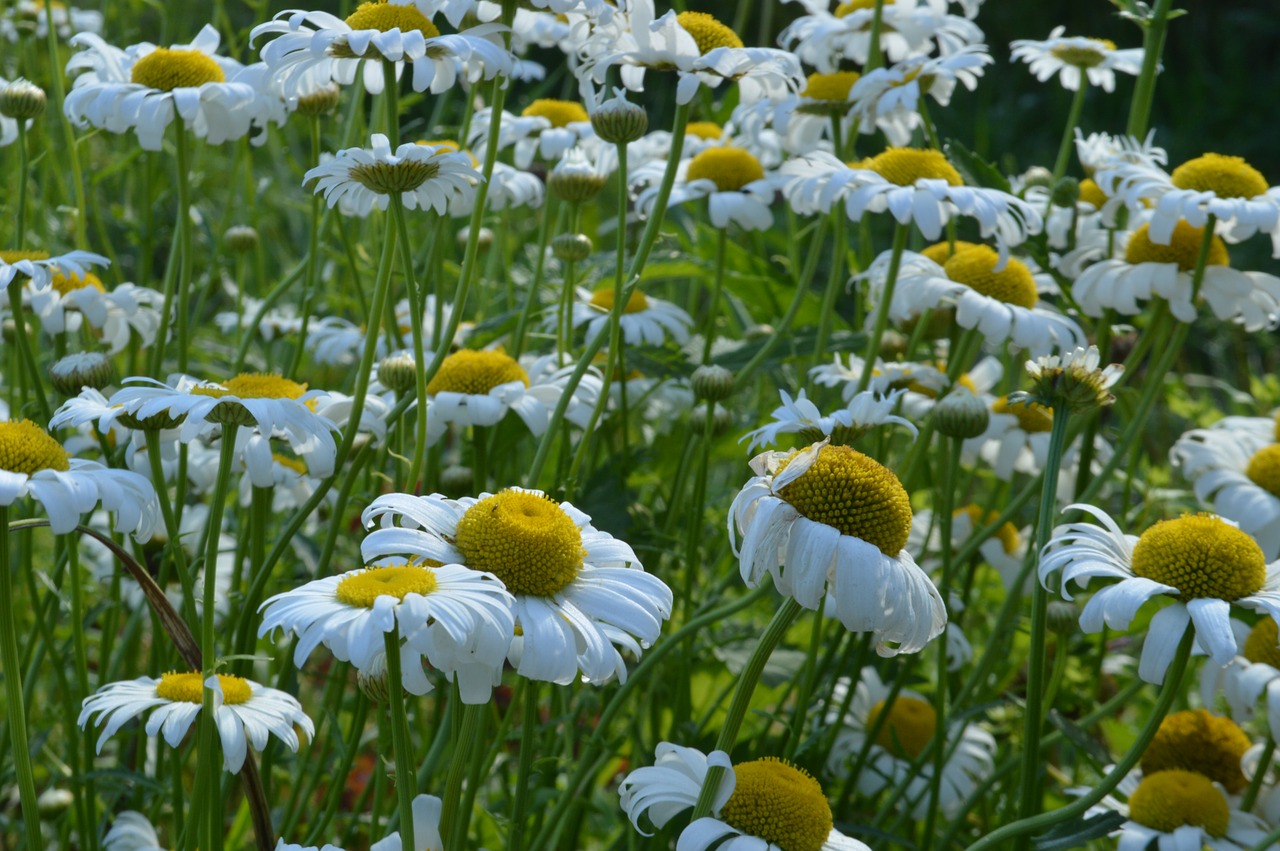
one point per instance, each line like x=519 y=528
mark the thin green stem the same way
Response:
x=900 y=234
x=835 y=279
x=417 y=468
x=1264 y=768
x=401 y=741
x=1145 y=88
x=20 y=231
x=528 y=736
x=25 y=354
x=15 y=703
x=1068 y=134
x=709 y=327
x=454 y=824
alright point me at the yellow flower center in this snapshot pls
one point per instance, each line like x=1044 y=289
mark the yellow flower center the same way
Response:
x=166 y=70
x=560 y=113
x=941 y=252
x=1263 y=643
x=1006 y=534
x=295 y=464
x=1201 y=556
x=603 y=299
x=1226 y=177
x=1085 y=57
x=1032 y=417
x=384 y=17
x=69 y=283
x=908 y=728
x=12 y=256
x=1197 y=740
x=1091 y=193
x=708 y=130
x=976 y=268
x=476 y=372
x=255 y=385
x=364 y=588
x=524 y=539
x=1183 y=248
x=188 y=687
x=904 y=166
x=729 y=169
x=1264 y=469
x=833 y=87
x=1167 y=800
x=708 y=32
x=846 y=9
x=854 y=494
x=449 y=146
x=779 y=803
x=27 y=448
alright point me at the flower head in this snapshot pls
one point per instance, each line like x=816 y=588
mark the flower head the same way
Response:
x=421 y=175
x=1073 y=381
x=1075 y=57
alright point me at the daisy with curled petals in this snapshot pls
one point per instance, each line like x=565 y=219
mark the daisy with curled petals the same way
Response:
x=421 y=175
x=839 y=522
x=546 y=128
x=863 y=412
x=459 y=620
x=888 y=99
x=1075 y=57
x=143 y=88
x=766 y=804
x=645 y=320
x=733 y=181
x=1206 y=563
x=247 y=713
x=318 y=46
x=1238 y=473
x=40 y=267
x=909 y=724
x=580 y=594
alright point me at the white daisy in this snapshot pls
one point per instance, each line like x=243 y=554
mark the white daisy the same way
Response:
x=426 y=830
x=765 y=804
x=888 y=99
x=132 y=831
x=247 y=712
x=1214 y=563
x=863 y=412
x=839 y=522
x=1073 y=57
x=422 y=176
x=455 y=11
x=1238 y=473
x=1099 y=149
x=32 y=17
x=40 y=267
x=580 y=594
x=645 y=320
x=546 y=128
x=909 y=28
x=1247 y=677
x=116 y=313
x=733 y=181
x=337 y=341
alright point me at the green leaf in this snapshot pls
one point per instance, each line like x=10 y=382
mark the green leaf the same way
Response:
x=1077 y=832
x=974 y=168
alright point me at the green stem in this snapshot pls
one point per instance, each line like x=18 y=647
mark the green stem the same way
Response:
x=900 y=234
x=651 y=229
x=15 y=704
x=709 y=328
x=1255 y=785
x=875 y=57
x=452 y=822
x=1145 y=88
x=25 y=354
x=539 y=267
x=21 y=227
x=528 y=733
x=417 y=469
x=835 y=279
x=1068 y=134
x=401 y=742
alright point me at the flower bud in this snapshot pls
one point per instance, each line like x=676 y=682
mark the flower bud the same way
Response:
x=83 y=369
x=1065 y=192
x=398 y=373
x=1037 y=175
x=571 y=247
x=961 y=414
x=573 y=185
x=54 y=801
x=456 y=479
x=22 y=99
x=721 y=421
x=1061 y=616
x=618 y=121
x=240 y=239
x=320 y=102
x=483 y=240
x=711 y=383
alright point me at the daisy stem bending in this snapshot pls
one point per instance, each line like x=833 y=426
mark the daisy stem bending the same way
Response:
x=401 y=742
x=14 y=702
x=391 y=88
x=564 y=325
x=417 y=469
x=1068 y=134
x=747 y=681
x=1169 y=692
x=1144 y=88
x=709 y=327
x=900 y=234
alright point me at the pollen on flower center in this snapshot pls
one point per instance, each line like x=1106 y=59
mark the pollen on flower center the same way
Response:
x=188 y=687
x=294 y=464
x=1084 y=57
x=1201 y=556
x=387 y=178
x=26 y=448
x=523 y=538
x=909 y=727
x=1167 y=800
x=779 y=803
x=729 y=169
x=1199 y=741
x=561 y=113
x=830 y=87
x=66 y=284
x=904 y=166
x=1007 y=534
x=1091 y=193
x=384 y=16
x=1183 y=248
x=364 y=588
x=254 y=385
x=166 y=70
x=476 y=372
x=603 y=299
x=1263 y=643
x=856 y=495
x=1032 y=417
x=976 y=268
x=14 y=255
x=941 y=252
x=846 y=9
x=1264 y=469
x=708 y=32
x=1226 y=177
x=708 y=130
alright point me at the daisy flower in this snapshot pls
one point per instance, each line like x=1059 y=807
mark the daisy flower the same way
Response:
x=646 y=320
x=32 y=17
x=318 y=46
x=9 y=126
x=422 y=176
x=1101 y=149
x=41 y=267
x=1074 y=57
x=766 y=804
x=909 y=725
x=863 y=412
x=888 y=99
x=731 y=179
x=839 y=521
x=1213 y=563
x=580 y=593
x=426 y=830
x=144 y=87
x=132 y=831
x=115 y=314
x=1247 y=677
x=1238 y=473
x=824 y=39
x=546 y=128
x=246 y=712
x=455 y=11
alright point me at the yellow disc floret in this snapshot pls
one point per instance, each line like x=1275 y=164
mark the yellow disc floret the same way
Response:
x=1167 y=800
x=255 y=385
x=69 y=283
x=603 y=299
x=1082 y=56
x=941 y=252
x=13 y=255
x=1226 y=177
x=476 y=372
x=523 y=538
x=904 y=166
x=830 y=87
x=708 y=32
x=188 y=687
x=779 y=803
x=1032 y=416
x=708 y=130
x=729 y=169
x=364 y=588
x=384 y=17
x=1007 y=534
x=1183 y=248
x=1202 y=556
x=1091 y=193
x=1263 y=643
x=848 y=8
x=976 y=268
x=560 y=113
x=854 y=494
x=166 y=70
x=909 y=726
x=1264 y=469
x=1197 y=740
x=26 y=448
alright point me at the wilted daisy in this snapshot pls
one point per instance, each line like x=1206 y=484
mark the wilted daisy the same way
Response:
x=839 y=522
x=318 y=46
x=116 y=314
x=144 y=87
x=1206 y=563
x=645 y=320
x=578 y=591
x=766 y=804
x=40 y=267
x=421 y=175
x=546 y=127
x=862 y=413
x=1238 y=473
x=247 y=713
x=731 y=179
x=910 y=724
x=1074 y=57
